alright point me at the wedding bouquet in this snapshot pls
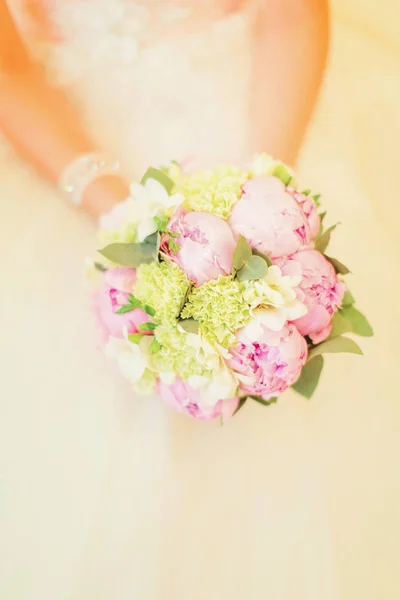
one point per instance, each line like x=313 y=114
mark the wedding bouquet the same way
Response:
x=215 y=287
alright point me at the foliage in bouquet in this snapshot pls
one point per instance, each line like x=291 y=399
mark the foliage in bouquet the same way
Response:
x=215 y=287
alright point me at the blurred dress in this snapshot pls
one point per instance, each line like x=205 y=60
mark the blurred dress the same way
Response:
x=109 y=496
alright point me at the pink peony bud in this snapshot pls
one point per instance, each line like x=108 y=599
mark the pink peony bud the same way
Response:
x=118 y=283
x=310 y=210
x=206 y=245
x=267 y=366
x=185 y=399
x=320 y=290
x=270 y=218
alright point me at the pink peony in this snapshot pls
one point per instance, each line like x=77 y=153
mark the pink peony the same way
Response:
x=270 y=218
x=185 y=399
x=310 y=210
x=206 y=245
x=320 y=290
x=118 y=283
x=267 y=366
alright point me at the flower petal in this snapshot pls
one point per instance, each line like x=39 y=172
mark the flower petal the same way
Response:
x=145 y=228
x=167 y=378
x=198 y=381
x=273 y=318
x=132 y=365
x=156 y=191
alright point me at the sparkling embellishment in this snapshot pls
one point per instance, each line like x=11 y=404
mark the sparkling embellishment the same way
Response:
x=82 y=171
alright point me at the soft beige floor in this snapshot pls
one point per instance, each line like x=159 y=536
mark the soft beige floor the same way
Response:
x=68 y=469
x=355 y=134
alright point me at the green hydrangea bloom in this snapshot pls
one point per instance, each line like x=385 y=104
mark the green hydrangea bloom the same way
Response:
x=146 y=384
x=220 y=307
x=214 y=191
x=176 y=356
x=163 y=286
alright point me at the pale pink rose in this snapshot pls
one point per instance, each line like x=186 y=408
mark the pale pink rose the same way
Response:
x=267 y=366
x=270 y=218
x=310 y=210
x=206 y=245
x=320 y=290
x=186 y=399
x=118 y=283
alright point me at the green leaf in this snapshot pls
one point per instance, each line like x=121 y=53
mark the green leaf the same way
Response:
x=155 y=346
x=283 y=174
x=256 y=268
x=262 y=401
x=321 y=223
x=310 y=374
x=173 y=234
x=125 y=308
x=242 y=402
x=159 y=176
x=161 y=223
x=339 y=267
x=242 y=253
x=149 y=309
x=339 y=344
x=189 y=325
x=133 y=255
x=100 y=267
x=148 y=326
x=135 y=338
x=348 y=298
x=316 y=199
x=323 y=240
x=134 y=302
x=340 y=325
x=359 y=323
x=263 y=256
x=173 y=246
x=153 y=239
x=306 y=192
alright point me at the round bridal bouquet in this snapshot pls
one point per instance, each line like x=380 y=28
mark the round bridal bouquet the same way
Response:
x=214 y=287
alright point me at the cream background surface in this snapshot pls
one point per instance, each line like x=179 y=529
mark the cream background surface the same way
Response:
x=106 y=497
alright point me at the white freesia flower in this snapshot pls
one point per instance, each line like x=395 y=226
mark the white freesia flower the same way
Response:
x=263 y=164
x=223 y=382
x=148 y=201
x=220 y=386
x=208 y=354
x=132 y=359
x=272 y=302
x=167 y=377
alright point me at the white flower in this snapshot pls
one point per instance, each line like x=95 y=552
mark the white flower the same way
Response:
x=167 y=377
x=220 y=386
x=146 y=202
x=263 y=164
x=272 y=302
x=132 y=359
x=223 y=382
